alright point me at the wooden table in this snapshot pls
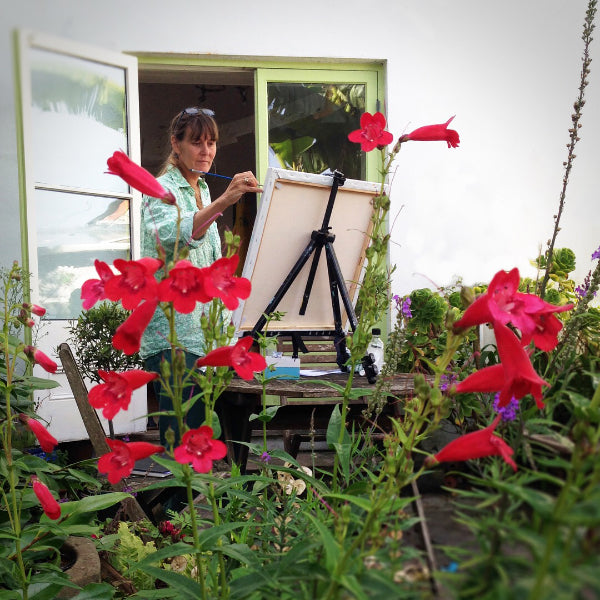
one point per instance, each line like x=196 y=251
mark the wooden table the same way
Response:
x=242 y=398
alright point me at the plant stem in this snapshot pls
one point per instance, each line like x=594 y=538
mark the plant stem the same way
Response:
x=588 y=28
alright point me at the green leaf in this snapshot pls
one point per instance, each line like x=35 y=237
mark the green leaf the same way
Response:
x=208 y=537
x=97 y=591
x=332 y=550
x=335 y=426
x=241 y=553
x=48 y=587
x=243 y=586
x=163 y=553
x=336 y=429
x=187 y=588
x=265 y=416
x=361 y=502
x=93 y=503
x=289 y=150
x=215 y=425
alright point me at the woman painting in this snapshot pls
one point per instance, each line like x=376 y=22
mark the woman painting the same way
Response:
x=193 y=136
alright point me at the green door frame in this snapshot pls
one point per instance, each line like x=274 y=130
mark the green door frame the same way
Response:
x=321 y=70
x=263 y=76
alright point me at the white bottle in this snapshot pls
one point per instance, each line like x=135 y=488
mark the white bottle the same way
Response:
x=375 y=348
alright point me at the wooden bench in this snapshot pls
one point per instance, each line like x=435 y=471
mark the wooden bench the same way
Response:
x=305 y=404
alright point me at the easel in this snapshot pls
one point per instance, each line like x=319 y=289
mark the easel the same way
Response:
x=319 y=239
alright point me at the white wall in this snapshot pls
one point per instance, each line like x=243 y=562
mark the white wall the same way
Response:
x=508 y=70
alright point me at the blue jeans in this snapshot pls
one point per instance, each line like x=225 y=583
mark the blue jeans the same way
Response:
x=195 y=416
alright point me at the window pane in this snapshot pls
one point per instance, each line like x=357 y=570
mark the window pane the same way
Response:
x=309 y=125
x=72 y=231
x=78 y=110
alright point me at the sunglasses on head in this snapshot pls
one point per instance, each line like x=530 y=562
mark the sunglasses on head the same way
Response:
x=193 y=111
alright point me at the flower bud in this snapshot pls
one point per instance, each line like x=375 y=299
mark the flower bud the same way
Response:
x=179 y=361
x=467 y=296
x=170 y=437
x=165 y=369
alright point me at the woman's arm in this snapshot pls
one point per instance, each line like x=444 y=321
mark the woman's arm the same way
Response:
x=241 y=184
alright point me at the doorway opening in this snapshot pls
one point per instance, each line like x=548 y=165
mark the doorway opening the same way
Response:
x=166 y=90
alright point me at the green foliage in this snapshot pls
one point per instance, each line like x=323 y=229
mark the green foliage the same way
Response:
x=129 y=550
x=91 y=337
x=424 y=335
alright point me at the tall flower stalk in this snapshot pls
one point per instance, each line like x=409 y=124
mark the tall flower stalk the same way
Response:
x=374 y=295
x=588 y=29
x=180 y=287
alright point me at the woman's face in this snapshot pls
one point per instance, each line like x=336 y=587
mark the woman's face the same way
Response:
x=198 y=154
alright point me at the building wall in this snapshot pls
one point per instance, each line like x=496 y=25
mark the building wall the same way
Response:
x=509 y=72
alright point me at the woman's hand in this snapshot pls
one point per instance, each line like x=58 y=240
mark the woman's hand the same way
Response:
x=242 y=183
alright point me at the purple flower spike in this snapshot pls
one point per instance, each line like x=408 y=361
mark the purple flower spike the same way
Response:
x=508 y=412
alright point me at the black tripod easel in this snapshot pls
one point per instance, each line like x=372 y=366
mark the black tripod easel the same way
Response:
x=319 y=239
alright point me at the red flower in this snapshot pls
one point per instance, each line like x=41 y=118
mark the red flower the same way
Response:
x=136 y=282
x=47 y=441
x=434 y=133
x=475 y=445
x=184 y=287
x=137 y=177
x=115 y=393
x=372 y=132
x=503 y=303
x=47 y=500
x=219 y=282
x=514 y=376
x=245 y=363
x=119 y=463
x=35 y=309
x=128 y=336
x=200 y=449
x=92 y=290
x=546 y=327
x=39 y=358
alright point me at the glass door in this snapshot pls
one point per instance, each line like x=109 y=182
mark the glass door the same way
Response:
x=78 y=105
x=304 y=117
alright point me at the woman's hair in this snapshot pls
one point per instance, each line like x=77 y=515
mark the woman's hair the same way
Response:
x=201 y=125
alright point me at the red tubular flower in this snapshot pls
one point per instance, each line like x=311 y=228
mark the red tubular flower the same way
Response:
x=184 y=287
x=475 y=445
x=128 y=336
x=34 y=309
x=136 y=282
x=119 y=463
x=245 y=363
x=46 y=440
x=503 y=303
x=372 y=132
x=200 y=449
x=137 y=177
x=546 y=327
x=25 y=318
x=47 y=500
x=514 y=376
x=115 y=393
x=434 y=133
x=39 y=358
x=219 y=282
x=92 y=290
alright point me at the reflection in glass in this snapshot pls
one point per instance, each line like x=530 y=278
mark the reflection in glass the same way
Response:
x=78 y=111
x=309 y=125
x=72 y=231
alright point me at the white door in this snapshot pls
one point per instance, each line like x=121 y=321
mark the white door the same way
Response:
x=78 y=105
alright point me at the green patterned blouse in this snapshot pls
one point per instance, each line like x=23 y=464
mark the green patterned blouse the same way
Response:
x=160 y=219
